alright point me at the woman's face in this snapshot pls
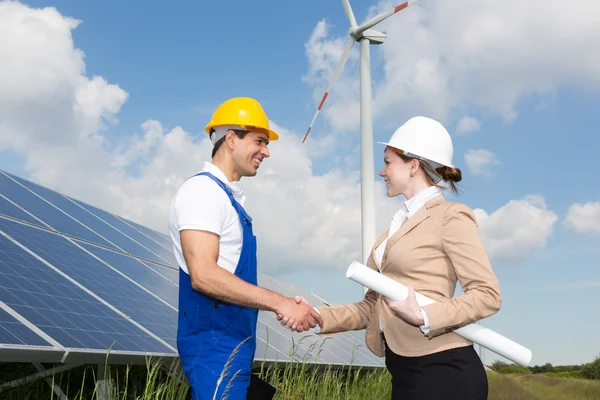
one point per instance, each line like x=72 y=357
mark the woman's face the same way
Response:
x=395 y=173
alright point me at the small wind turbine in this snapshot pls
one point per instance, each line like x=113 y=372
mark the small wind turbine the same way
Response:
x=365 y=36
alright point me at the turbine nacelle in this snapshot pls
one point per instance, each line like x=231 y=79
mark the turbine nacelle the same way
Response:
x=374 y=37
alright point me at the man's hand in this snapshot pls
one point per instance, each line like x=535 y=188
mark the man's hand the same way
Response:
x=289 y=322
x=298 y=314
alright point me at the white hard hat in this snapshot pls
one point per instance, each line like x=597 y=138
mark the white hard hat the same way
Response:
x=424 y=138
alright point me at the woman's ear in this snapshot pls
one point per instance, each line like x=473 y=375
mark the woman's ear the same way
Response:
x=414 y=166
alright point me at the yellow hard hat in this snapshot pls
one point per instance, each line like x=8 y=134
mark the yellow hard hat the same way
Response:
x=243 y=111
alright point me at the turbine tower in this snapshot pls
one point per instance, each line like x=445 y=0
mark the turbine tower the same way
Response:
x=366 y=37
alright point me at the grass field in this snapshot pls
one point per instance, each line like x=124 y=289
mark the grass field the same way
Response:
x=294 y=382
x=541 y=387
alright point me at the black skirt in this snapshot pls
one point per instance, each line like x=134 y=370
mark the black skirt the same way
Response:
x=454 y=374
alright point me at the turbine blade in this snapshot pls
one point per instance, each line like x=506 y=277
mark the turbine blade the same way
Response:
x=377 y=19
x=335 y=76
x=349 y=12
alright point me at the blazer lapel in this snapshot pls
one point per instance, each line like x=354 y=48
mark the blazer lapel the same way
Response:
x=376 y=245
x=411 y=223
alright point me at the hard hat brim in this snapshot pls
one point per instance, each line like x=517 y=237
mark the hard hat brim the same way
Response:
x=272 y=135
x=417 y=156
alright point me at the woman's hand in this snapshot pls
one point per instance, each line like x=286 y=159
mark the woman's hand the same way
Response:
x=408 y=310
x=290 y=322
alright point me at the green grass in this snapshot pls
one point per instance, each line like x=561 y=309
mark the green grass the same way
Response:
x=294 y=381
x=541 y=387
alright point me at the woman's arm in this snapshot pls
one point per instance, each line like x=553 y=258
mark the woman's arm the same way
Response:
x=462 y=243
x=349 y=316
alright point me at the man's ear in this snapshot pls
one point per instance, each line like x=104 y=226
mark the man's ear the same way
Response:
x=230 y=139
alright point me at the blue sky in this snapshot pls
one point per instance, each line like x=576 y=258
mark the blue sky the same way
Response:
x=167 y=66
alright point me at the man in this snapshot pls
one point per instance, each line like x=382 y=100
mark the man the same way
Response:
x=216 y=251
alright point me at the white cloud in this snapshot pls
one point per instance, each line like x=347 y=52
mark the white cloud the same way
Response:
x=481 y=162
x=583 y=218
x=301 y=219
x=443 y=57
x=516 y=230
x=45 y=99
x=467 y=125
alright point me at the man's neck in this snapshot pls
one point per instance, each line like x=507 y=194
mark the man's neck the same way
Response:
x=227 y=167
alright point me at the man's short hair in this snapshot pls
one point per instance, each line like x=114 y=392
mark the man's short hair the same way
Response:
x=238 y=132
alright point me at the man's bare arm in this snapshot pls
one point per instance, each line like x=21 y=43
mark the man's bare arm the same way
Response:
x=201 y=252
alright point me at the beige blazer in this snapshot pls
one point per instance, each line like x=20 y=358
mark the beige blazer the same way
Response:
x=437 y=246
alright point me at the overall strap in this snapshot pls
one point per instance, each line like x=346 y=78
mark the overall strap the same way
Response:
x=244 y=217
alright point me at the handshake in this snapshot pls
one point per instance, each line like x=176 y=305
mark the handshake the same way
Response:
x=297 y=315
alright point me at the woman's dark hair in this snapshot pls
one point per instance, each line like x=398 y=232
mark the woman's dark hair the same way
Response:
x=238 y=132
x=448 y=174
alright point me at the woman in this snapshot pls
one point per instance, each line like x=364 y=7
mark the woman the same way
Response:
x=430 y=245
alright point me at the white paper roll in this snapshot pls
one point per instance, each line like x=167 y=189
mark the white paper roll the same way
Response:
x=474 y=332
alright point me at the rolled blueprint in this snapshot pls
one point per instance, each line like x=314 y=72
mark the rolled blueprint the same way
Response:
x=474 y=332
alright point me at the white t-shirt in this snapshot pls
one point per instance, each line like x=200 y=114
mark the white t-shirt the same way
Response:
x=201 y=204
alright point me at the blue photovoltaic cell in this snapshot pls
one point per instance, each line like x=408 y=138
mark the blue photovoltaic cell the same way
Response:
x=266 y=350
x=106 y=283
x=91 y=221
x=62 y=310
x=10 y=210
x=170 y=273
x=47 y=213
x=158 y=253
x=152 y=234
x=14 y=332
x=139 y=272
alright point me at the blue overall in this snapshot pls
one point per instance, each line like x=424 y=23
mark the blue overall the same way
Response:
x=210 y=330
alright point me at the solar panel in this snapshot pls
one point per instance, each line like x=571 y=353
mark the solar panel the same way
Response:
x=44 y=211
x=171 y=274
x=122 y=293
x=154 y=251
x=105 y=231
x=14 y=332
x=159 y=238
x=85 y=280
x=145 y=276
x=10 y=210
x=57 y=306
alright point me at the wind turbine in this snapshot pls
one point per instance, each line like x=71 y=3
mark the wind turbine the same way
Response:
x=365 y=36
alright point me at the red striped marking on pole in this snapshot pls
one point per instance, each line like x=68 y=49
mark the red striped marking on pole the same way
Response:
x=305 y=136
x=400 y=7
x=323 y=100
